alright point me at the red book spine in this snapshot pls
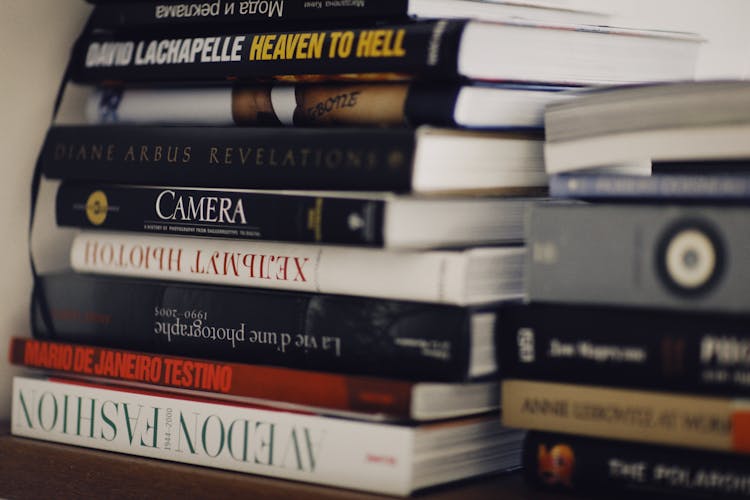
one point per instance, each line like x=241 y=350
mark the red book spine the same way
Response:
x=217 y=379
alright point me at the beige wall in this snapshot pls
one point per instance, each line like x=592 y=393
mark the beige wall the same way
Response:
x=724 y=23
x=35 y=37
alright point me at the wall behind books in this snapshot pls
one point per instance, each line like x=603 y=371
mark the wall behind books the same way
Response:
x=722 y=22
x=35 y=39
x=36 y=35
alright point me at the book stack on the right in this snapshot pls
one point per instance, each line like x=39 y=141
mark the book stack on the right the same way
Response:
x=630 y=362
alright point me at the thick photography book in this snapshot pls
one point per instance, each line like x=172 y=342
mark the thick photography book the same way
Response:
x=431 y=50
x=123 y=13
x=370 y=456
x=474 y=276
x=391 y=104
x=423 y=160
x=686 y=420
x=332 y=333
x=313 y=391
x=626 y=347
x=691 y=257
x=564 y=462
x=669 y=123
x=696 y=188
x=374 y=219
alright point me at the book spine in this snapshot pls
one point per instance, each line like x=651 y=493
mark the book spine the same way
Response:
x=218 y=379
x=573 y=463
x=340 y=159
x=706 y=353
x=168 y=13
x=275 y=444
x=686 y=257
x=672 y=186
x=427 y=103
x=396 y=52
x=303 y=331
x=703 y=422
x=429 y=276
x=317 y=105
x=373 y=104
x=225 y=214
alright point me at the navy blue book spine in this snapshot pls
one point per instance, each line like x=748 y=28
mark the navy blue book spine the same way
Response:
x=601 y=467
x=240 y=157
x=305 y=331
x=696 y=187
x=626 y=347
x=426 y=49
x=221 y=214
x=171 y=13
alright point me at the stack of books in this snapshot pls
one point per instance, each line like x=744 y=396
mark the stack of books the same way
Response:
x=205 y=275
x=631 y=360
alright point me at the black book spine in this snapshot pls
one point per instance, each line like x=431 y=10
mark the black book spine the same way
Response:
x=225 y=214
x=652 y=349
x=267 y=158
x=166 y=13
x=572 y=463
x=426 y=49
x=305 y=331
x=427 y=103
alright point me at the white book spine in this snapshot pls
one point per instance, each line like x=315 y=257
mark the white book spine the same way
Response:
x=366 y=456
x=429 y=276
x=205 y=106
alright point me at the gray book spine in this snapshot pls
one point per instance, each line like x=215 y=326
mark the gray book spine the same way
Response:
x=678 y=257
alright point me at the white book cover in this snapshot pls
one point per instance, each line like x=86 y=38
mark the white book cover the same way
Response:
x=346 y=453
x=474 y=276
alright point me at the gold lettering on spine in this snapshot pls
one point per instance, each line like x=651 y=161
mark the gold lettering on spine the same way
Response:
x=288 y=46
x=315 y=219
x=381 y=43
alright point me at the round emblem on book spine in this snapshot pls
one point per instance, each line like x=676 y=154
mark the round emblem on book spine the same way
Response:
x=96 y=208
x=690 y=258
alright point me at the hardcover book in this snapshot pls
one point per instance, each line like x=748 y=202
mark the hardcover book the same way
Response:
x=332 y=333
x=686 y=420
x=476 y=276
x=564 y=462
x=313 y=391
x=433 y=50
x=697 y=187
x=425 y=160
x=478 y=106
x=384 y=458
x=184 y=12
x=377 y=219
x=626 y=347
x=686 y=257
x=669 y=123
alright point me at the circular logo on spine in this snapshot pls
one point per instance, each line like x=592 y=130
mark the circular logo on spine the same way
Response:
x=395 y=159
x=556 y=465
x=96 y=208
x=690 y=258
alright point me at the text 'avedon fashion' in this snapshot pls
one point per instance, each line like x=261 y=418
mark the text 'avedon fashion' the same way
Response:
x=304 y=447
